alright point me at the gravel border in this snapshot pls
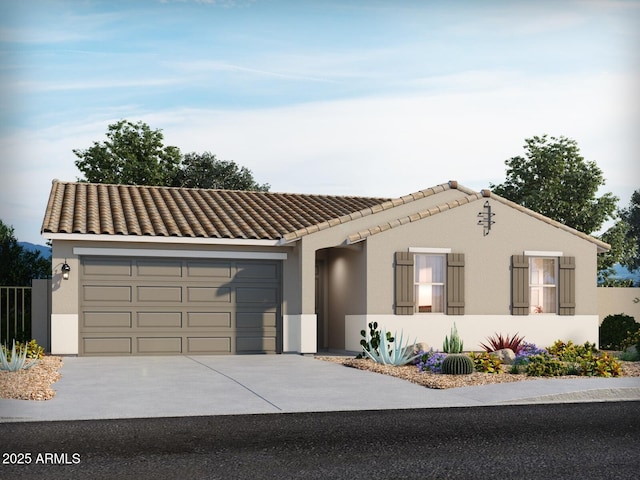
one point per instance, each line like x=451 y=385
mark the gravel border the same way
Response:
x=33 y=383
x=440 y=381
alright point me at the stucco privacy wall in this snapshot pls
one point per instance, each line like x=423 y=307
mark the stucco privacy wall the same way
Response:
x=612 y=301
x=542 y=330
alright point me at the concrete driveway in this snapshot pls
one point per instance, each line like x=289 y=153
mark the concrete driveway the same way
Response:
x=142 y=387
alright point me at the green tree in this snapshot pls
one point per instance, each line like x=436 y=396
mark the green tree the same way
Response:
x=135 y=155
x=631 y=216
x=553 y=179
x=622 y=249
x=17 y=265
x=206 y=171
x=624 y=238
x=132 y=155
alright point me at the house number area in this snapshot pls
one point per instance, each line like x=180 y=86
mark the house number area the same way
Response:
x=47 y=458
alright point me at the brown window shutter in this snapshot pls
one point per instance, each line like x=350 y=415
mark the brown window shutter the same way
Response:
x=455 y=284
x=567 y=286
x=519 y=285
x=404 y=302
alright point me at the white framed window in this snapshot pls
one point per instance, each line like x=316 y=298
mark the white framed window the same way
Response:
x=429 y=282
x=543 y=285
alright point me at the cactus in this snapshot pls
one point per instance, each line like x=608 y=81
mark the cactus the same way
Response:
x=453 y=344
x=457 y=364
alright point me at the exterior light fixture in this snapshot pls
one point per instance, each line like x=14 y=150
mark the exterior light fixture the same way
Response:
x=65 y=270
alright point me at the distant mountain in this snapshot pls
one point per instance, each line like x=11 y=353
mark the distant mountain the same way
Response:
x=621 y=273
x=45 y=252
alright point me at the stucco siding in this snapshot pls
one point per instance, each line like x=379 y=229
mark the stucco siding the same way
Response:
x=487 y=258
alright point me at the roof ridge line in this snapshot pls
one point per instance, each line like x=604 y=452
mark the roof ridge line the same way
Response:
x=130 y=185
x=422 y=214
x=386 y=205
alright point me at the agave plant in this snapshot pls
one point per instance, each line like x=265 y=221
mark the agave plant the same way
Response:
x=18 y=359
x=392 y=352
x=499 y=342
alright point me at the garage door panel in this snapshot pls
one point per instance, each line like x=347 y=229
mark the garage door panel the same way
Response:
x=255 y=319
x=209 y=344
x=159 y=345
x=157 y=294
x=257 y=271
x=257 y=344
x=147 y=268
x=209 y=270
x=213 y=307
x=265 y=295
x=209 y=320
x=108 y=345
x=159 y=320
x=106 y=293
x=107 y=267
x=209 y=294
x=107 y=320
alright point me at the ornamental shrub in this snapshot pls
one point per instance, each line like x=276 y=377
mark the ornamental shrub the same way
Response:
x=614 y=329
x=486 y=363
x=544 y=365
x=431 y=361
x=568 y=352
x=603 y=365
x=632 y=340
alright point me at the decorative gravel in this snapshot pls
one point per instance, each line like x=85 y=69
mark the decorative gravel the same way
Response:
x=33 y=383
x=441 y=381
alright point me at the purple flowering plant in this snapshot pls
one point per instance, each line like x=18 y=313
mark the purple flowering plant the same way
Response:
x=528 y=350
x=430 y=361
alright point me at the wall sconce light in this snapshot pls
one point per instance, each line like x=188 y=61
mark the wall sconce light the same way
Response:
x=65 y=270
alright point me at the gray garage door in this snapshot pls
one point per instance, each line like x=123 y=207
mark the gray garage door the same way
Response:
x=149 y=306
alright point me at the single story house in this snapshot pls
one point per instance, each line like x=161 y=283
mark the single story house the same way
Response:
x=148 y=270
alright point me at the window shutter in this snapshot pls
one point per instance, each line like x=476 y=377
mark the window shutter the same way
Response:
x=519 y=285
x=567 y=286
x=455 y=284
x=404 y=302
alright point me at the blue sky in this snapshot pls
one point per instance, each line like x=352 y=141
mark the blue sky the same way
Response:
x=367 y=97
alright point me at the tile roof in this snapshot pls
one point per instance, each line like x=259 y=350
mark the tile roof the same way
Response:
x=102 y=209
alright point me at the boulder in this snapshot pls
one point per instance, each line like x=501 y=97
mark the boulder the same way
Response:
x=506 y=355
x=420 y=346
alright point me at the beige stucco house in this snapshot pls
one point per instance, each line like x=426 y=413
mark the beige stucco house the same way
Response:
x=158 y=270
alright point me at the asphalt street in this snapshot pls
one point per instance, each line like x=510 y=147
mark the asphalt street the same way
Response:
x=574 y=440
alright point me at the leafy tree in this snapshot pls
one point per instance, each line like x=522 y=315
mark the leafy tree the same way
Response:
x=133 y=155
x=206 y=171
x=624 y=238
x=631 y=216
x=621 y=248
x=17 y=265
x=555 y=180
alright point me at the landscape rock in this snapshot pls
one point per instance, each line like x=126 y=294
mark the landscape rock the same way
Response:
x=506 y=355
x=420 y=346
